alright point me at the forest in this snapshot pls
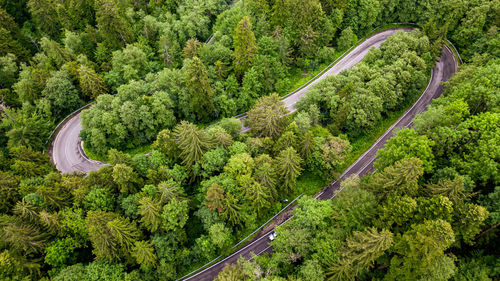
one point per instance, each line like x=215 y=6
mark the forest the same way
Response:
x=182 y=185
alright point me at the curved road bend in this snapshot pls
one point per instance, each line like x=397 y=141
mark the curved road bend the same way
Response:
x=66 y=154
x=444 y=69
x=68 y=158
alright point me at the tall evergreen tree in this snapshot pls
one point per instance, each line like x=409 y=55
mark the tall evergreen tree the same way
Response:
x=144 y=254
x=215 y=197
x=362 y=249
x=150 y=211
x=192 y=142
x=267 y=118
x=288 y=164
x=245 y=46
x=91 y=83
x=45 y=15
x=111 y=25
x=258 y=196
x=200 y=92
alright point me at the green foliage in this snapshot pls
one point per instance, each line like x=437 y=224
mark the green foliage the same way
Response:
x=192 y=142
x=61 y=253
x=231 y=125
x=267 y=118
x=406 y=144
x=220 y=235
x=144 y=254
x=288 y=165
x=420 y=248
x=129 y=119
x=128 y=64
x=362 y=249
x=396 y=224
x=112 y=236
x=245 y=46
x=200 y=98
x=175 y=214
x=99 y=199
x=150 y=211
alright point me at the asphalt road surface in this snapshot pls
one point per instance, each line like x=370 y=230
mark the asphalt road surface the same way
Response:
x=65 y=151
x=68 y=156
x=444 y=69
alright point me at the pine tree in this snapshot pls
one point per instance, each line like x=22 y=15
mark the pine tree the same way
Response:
x=50 y=222
x=289 y=167
x=91 y=83
x=24 y=238
x=124 y=232
x=168 y=190
x=144 y=254
x=267 y=118
x=150 y=211
x=453 y=189
x=398 y=179
x=45 y=15
x=362 y=249
x=192 y=142
x=199 y=88
x=215 y=197
x=111 y=25
x=26 y=211
x=265 y=175
x=258 y=196
x=231 y=209
x=191 y=48
x=307 y=145
x=245 y=46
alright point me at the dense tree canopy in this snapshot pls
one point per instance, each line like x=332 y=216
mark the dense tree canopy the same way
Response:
x=181 y=189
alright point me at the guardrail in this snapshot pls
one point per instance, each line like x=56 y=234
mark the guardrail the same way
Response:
x=456 y=51
x=49 y=139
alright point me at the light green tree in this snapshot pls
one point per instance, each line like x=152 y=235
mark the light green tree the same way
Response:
x=288 y=165
x=144 y=254
x=91 y=83
x=175 y=214
x=362 y=249
x=267 y=118
x=150 y=211
x=192 y=142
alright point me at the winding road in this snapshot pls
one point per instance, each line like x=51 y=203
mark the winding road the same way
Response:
x=444 y=69
x=68 y=156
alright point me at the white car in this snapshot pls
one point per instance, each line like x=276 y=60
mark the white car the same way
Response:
x=272 y=236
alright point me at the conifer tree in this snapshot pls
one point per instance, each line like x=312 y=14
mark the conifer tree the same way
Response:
x=245 y=46
x=267 y=118
x=289 y=167
x=200 y=90
x=144 y=254
x=192 y=142
x=150 y=211
x=91 y=83
x=191 y=48
x=215 y=197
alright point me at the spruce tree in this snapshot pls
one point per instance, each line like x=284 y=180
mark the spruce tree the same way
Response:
x=192 y=142
x=289 y=167
x=245 y=46
x=199 y=88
